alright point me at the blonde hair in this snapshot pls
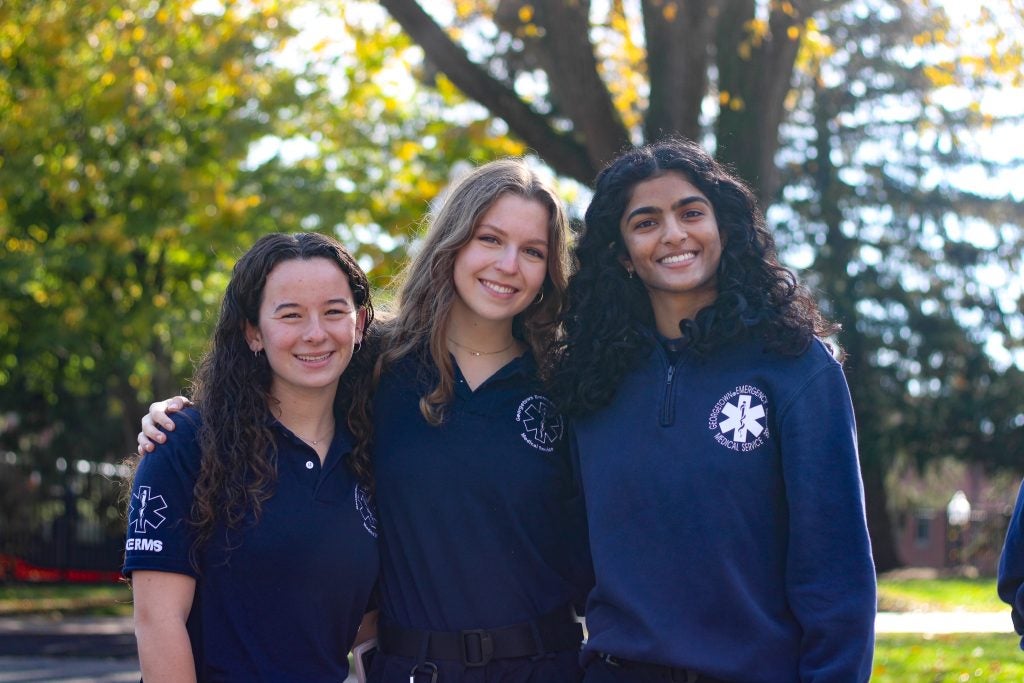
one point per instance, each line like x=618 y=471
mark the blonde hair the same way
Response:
x=427 y=290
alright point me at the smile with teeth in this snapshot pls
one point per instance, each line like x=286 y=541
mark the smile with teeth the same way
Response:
x=678 y=258
x=504 y=290
x=314 y=359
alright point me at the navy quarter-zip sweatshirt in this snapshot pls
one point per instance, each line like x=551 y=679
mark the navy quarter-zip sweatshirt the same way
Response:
x=726 y=518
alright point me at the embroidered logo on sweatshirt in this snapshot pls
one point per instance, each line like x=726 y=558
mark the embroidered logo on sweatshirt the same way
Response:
x=739 y=420
x=542 y=424
x=366 y=510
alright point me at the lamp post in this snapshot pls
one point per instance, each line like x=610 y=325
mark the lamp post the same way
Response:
x=958 y=516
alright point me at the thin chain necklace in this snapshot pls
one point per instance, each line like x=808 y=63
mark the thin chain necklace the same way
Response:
x=474 y=352
x=316 y=442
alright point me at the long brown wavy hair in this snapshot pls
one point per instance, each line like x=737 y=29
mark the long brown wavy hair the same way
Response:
x=231 y=386
x=427 y=288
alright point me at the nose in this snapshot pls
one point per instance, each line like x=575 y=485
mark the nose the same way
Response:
x=314 y=331
x=674 y=231
x=508 y=260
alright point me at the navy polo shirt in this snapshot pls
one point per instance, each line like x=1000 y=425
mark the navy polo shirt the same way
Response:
x=278 y=600
x=482 y=522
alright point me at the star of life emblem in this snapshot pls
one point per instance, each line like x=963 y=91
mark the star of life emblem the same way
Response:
x=543 y=426
x=739 y=421
x=145 y=511
x=366 y=510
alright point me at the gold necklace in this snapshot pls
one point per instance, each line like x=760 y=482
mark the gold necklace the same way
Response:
x=474 y=352
x=316 y=442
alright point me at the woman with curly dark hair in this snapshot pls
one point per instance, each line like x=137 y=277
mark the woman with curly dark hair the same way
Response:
x=715 y=438
x=251 y=545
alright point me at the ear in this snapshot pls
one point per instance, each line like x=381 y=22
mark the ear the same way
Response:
x=360 y=325
x=627 y=263
x=253 y=337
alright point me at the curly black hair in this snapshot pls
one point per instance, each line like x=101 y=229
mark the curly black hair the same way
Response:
x=231 y=388
x=604 y=336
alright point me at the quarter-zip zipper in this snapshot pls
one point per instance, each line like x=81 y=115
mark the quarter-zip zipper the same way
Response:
x=668 y=412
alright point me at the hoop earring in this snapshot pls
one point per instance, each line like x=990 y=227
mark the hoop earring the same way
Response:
x=540 y=297
x=256 y=354
x=355 y=349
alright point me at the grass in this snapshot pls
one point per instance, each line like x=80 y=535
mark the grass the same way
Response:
x=939 y=595
x=96 y=600
x=960 y=658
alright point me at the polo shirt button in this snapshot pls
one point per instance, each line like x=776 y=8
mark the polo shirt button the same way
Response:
x=309 y=464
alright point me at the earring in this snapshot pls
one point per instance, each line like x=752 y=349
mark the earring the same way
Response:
x=540 y=297
x=256 y=353
x=355 y=349
x=629 y=273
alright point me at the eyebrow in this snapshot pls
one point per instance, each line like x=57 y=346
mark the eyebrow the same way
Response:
x=643 y=210
x=495 y=228
x=290 y=304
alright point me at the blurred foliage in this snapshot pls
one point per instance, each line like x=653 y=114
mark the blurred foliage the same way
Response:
x=143 y=146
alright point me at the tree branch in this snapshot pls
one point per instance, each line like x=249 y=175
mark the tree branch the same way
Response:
x=559 y=150
x=573 y=78
x=678 y=53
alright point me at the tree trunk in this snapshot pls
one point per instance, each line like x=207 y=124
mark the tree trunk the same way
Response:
x=883 y=540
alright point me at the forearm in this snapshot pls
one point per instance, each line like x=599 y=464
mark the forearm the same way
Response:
x=165 y=652
x=163 y=601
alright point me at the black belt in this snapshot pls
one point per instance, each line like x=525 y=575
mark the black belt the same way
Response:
x=550 y=633
x=660 y=671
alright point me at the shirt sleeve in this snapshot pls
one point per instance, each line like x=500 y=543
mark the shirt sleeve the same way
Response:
x=830 y=575
x=159 y=536
x=1010 y=582
x=576 y=512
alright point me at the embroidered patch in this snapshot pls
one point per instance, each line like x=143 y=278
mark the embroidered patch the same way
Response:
x=543 y=426
x=145 y=511
x=366 y=510
x=739 y=420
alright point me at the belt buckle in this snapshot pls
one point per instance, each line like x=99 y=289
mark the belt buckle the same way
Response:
x=485 y=647
x=428 y=667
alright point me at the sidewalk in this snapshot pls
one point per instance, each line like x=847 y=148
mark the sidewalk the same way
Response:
x=944 y=622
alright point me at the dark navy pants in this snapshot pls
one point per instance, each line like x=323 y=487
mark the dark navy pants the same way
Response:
x=599 y=671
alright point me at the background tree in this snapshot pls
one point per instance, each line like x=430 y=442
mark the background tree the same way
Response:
x=143 y=146
x=845 y=111
x=918 y=268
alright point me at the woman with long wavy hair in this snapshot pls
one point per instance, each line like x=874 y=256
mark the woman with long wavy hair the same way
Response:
x=251 y=545
x=482 y=543
x=715 y=440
